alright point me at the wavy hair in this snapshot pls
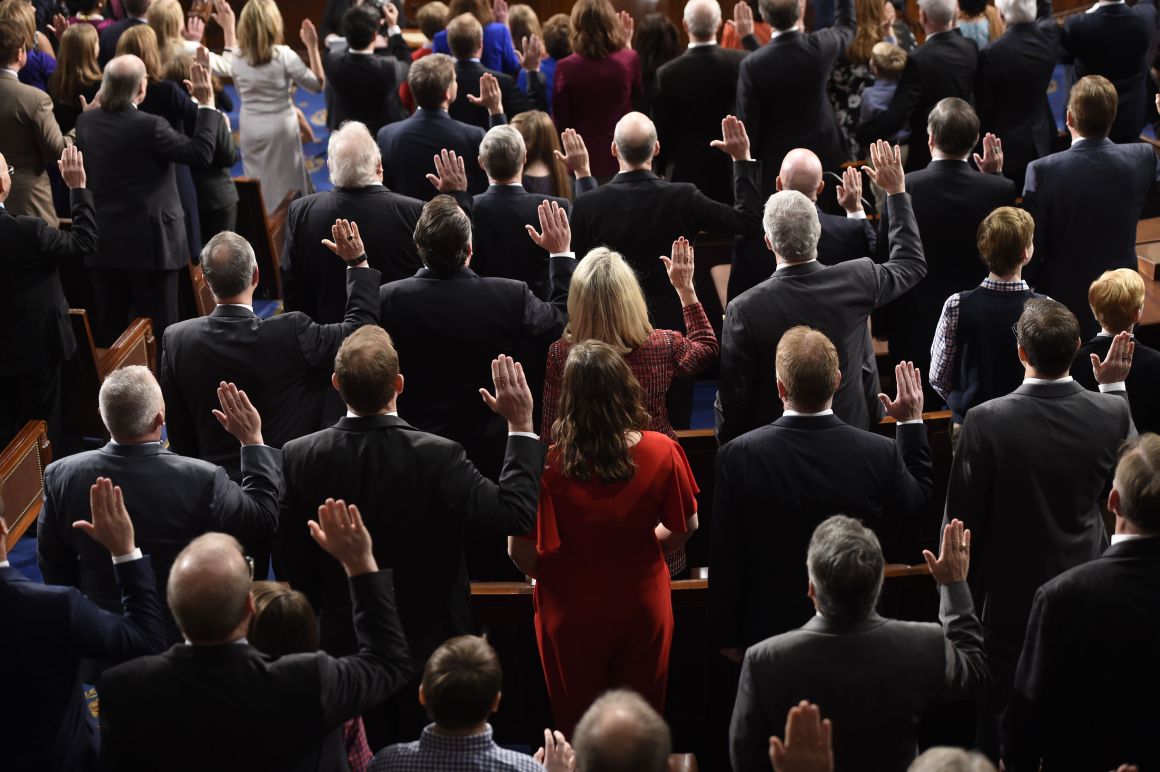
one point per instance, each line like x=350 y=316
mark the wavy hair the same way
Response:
x=605 y=303
x=596 y=31
x=259 y=30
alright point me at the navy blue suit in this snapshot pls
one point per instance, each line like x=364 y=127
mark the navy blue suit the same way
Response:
x=409 y=146
x=500 y=245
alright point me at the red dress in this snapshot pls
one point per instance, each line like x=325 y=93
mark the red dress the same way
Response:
x=604 y=614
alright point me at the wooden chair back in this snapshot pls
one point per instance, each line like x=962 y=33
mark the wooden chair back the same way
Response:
x=22 y=466
x=265 y=232
x=201 y=291
x=84 y=373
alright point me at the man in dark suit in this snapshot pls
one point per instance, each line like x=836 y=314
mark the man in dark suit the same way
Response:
x=774 y=485
x=781 y=90
x=694 y=93
x=943 y=66
x=365 y=84
x=950 y=200
x=419 y=494
x=34 y=321
x=1115 y=40
x=1091 y=641
x=217 y=684
x=874 y=678
x=313 y=282
x=1028 y=474
x=1011 y=84
x=465 y=39
x=176 y=498
x=50 y=630
x=836 y=300
x=1086 y=201
x=135 y=11
x=131 y=155
x=408 y=145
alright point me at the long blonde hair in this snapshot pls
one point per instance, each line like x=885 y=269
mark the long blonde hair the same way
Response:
x=76 y=64
x=259 y=30
x=21 y=12
x=605 y=303
x=167 y=19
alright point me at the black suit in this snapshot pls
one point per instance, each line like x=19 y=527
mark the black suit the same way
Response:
x=943 y=66
x=409 y=146
x=217 y=196
x=836 y=300
x=48 y=631
x=1143 y=380
x=111 y=35
x=515 y=101
x=1091 y=641
x=173 y=500
x=195 y=707
x=781 y=95
x=34 y=321
x=366 y=86
x=500 y=243
x=775 y=485
x=693 y=93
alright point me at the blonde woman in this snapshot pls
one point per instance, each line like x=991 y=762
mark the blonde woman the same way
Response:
x=167 y=18
x=77 y=74
x=265 y=71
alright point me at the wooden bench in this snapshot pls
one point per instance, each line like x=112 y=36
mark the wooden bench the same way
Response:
x=265 y=232
x=22 y=466
x=202 y=294
x=84 y=373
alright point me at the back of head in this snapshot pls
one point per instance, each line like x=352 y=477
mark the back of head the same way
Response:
x=557 y=36
x=121 y=82
x=807 y=365
x=21 y=12
x=792 y=226
x=596 y=32
x=1116 y=298
x=76 y=63
x=360 y=25
x=432 y=18
x=429 y=78
x=141 y=41
x=657 y=41
x=801 y=170
x=845 y=565
x=503 y=153
x=954 y=126
x=1137 y=482
x=167 y=19
x=889 y=60
x=137 y=8
x=781 y=14
x=367 y=367
x=353 y=156
x=443 y=235
x=480 y=9
x=951 y=760
x=871 y=17
x=702 y=17
x=259 y=30
x=209 y=585
x=621 y=732
x=523 y=22
x=129 y=401
x=636 y=138
x=605 y=303
x=1016 y=11
x=283 y=622
x=940 y=13
x=461 y=681
x=1092 y=103
x=1003 y=237
x=464 y=36
x=12 y=41
x=1049 y=334
x=228 y=262
x=541 y=142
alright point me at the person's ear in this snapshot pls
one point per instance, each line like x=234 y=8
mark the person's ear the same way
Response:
x=656 y=148
x=1022 y=354
x=1136 y=316
x=782 y=391
x=811 y=593
x=778 y=184
x=839 y=383
x=479 y=160
x=495 y=702
x=1028 y=253
x=821 y=187
x=768 y=243
x=255 y=278
x=615 y=154
x=334 y=382
x=1114 y=500
x=398 y=384
x=1078 y=343
x=422 y=696
x=159 y=419
x=1068 y=119
x=685 y=27
x=930 y=141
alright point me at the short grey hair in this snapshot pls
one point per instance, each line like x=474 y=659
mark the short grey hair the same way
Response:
x=121 y=82
x=353 y=156
x=845 y=565
x=129 y=401
x=621 y=732
x=228 y=262
x=951 y=760
x=1016 y=11
x=792 y=225
x=940 y=12
x=702 y=17
x=503 y=152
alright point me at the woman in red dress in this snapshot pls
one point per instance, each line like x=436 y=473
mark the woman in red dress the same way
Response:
x=614 y=498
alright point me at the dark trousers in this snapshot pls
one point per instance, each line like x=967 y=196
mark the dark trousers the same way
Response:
x=33 y=396
x=124 y=295
x=214 y=221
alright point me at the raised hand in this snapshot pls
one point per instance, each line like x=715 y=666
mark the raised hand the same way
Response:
x=201 y=56
x=575 y=155
x=680 y=270
x=850 y=190
x=734 y=139
x=743 y=19
x=886 y=170
x=223 y=14
x=111 y=526
x=238 y=415
x=907 y=403
x=59 y=25
x=200 y=85
x=339 y=530
x=888 y=17
x=808 y=745
x=390 y=14
x=194 y=29
x=991 y=161
x=954 y=560
x=309 y=34
x=530 y=53
x=627 y=27
x=450 y=172
x=86 y=105
x=513 y=399
x=72 y=167
x=1118 y=362
x=490 y=97
x=347 y=242
x=556 y=755
x=556 y=232
x=499 y=10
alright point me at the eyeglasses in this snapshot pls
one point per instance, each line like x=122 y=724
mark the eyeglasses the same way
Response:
x=250 y=563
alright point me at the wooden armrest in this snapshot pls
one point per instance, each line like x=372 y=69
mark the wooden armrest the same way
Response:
x=900 y=570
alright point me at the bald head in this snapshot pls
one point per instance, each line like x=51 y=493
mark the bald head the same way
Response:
x=634 y=142
x=123 y=83
x=622 y=733
x=209 y=590
x=801 y=170
x=702 y=18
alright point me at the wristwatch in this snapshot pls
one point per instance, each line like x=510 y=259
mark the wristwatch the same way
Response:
x=352 y=263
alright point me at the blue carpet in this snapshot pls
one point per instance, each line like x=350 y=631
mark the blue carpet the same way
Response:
x=313 y=106
x=23 y=557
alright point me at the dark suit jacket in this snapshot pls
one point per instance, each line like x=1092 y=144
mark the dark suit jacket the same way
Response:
x=834 y=299
x=640 y=215
x=366 y=86
x=283 y=364
x=775 y=485
x=876 y=678
x=943 y=66
x=47 y=632
x=1143 y=380
x=129 y=157
x=515 y=101
x=693 y=93
x=1115 y=41
x=1086 y=201
x=153 y=706
x=34 y=321
x=173 y=500
x=1028 y=476
x=111 y=35
x=500 y=244
x=409 y=146
x=781 y=95
x=1091 y=640
x=214 y=183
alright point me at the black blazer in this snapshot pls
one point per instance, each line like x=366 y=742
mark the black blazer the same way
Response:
x=1143 y=381
x=173 y=500
x=500 y=244
x=943 y=66
x=366 y=86
x=34 y=321
x=781 y=95
x=283 y=364
x=1091 y=640
x=111 y=35
x=515 y=101
x=153 y=706
x=834 y=299
x=1086 y=201
x=48 y=631
x=775 y=485
x=214 y=183
x=409 y=146
x=129 y=157
x=694 y=92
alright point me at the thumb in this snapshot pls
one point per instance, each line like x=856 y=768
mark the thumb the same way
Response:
x=931 y=560
x=776 y=751
x=474 y=99
x=487 y=398
x=560 y=156
x=536 y=237
x=86 y=526
x=978 y=159
x=433 y=179
x=1095 y=360
x=667 y=261
x=885 y=400
x=221 y=417
x=718 y=143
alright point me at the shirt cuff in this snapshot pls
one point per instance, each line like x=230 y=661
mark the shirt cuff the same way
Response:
x=910 y=421
x=395 y=30
x=564 y=254
x=859 y=215
x=531 y=435
x=136 y=554
x=1117 y=386
x=206 y=107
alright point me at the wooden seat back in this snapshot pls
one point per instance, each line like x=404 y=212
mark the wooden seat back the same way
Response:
x=265 y=232
x=22 y=466
x=202 y=294
x=84 y=373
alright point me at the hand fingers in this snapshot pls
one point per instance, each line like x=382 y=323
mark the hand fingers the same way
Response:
x=80 y=525
x=221 y=417
x=488 y=399
x=931 y=560
x=885 y=400
x=536 y=237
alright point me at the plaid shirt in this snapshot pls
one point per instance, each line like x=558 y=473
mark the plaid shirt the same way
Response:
x=441 y=753
x=944 y=350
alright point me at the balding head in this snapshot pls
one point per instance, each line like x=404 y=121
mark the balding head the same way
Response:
x=622 y=733
x=801 y=170
x=634 y=142
x=209 y=590
x=702 y=20
x=123 y=83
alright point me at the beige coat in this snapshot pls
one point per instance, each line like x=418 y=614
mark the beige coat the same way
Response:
x=30 y=140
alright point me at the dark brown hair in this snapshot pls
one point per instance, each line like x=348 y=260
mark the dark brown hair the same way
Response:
x=11 y=41
x=1093 y=103
x=432 y=18
x=366 y=367
x=464 y=35
x=443 y=235
x=780 y=14
x=807 y=363
x=541 y=139
x=954 y=126
x=1002 y=237
x=480 y=9
x=557 y=36
x=1138 y=482
x=596 y=31
x=283 y=621
x=1049 y=334
x=461 y=681
x=429 y=79
x=141 y=41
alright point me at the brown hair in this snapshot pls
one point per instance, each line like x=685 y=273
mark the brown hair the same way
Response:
x=954 y=126
x=259 y=30
x=429 y=78
x=480 y=9
x=889 y=59
x=11 y=41
x=807 y=364
x=596 y=31
x=557 y=36
x=869 y=14
x=141 y=41
x=443 y=235
x=283 y=621
x=76 y=64
x=523 y=23
x=541 y=140
x=600 y=403
x=464 y=35
x=460 y=682
x=432 y=18
x=1138 y=482
x=780 y=14
x=1116 y=297
x=21 y=12
x=1092 y=104
x=1049 y=335
x=1002 y=236
x=366 y=367
x=167 y=19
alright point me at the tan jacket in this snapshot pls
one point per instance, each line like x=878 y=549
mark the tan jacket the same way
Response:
x=30 y=140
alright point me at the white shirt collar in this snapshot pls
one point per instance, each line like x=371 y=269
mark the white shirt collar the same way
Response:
x=1104 y=4
x=1119 y=537
x=350 y=414
x=779 y=32
x=238 y=305
x=789 y=412
x=705 y=44
x=14 y=73
x=788 y=265
x=5 y=564
x=1038 y=381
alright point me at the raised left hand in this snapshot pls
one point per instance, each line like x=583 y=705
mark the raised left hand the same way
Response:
x=808 y=745
x=556 y=755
